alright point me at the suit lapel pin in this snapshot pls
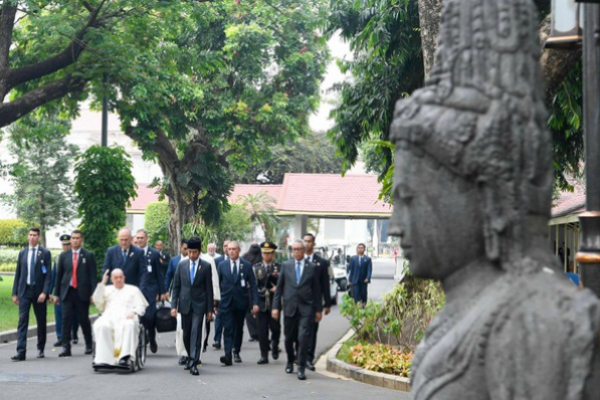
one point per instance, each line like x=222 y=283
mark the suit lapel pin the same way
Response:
x=83 y=260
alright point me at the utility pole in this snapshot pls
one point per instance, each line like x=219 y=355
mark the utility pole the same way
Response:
x=105 y=111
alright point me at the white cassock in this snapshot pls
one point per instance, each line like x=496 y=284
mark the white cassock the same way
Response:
x=179 y=347
x=116 y=335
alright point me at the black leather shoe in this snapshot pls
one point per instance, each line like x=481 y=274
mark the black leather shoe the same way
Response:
x=301 y=374
x=289 y=368
x=310 y=366
x=226 y=360
x=217 y=346
x=58 y=343
x=124 y=362
x=194 y=370
x=182 y=360
x=18 y=357
x=65 y=353
x=275 y=352
x=88 y=350
x=188 y=364
x=263 y=360
x=40 y=354
x=75 y=340
x=153 y=347
x=236 y=357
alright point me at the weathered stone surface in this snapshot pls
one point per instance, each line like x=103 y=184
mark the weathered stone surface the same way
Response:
x=472 y=200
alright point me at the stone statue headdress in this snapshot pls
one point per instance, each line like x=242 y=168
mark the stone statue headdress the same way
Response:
x=482 y=116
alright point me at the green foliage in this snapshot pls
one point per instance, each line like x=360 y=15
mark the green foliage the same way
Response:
x=566 y=125
x=12 y=233
x=236 y=224
x=312 y=153
x=104 y=185
x=381 y=358
x=387 y=65
x=156 y=221
x=401 y=318
x=9 y=256
x=262 y=213
x=43 y=194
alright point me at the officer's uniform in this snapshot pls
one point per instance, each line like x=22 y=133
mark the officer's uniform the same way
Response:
x=266 y=280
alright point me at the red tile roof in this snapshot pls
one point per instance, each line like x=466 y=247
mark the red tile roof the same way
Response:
x=145 y=195
x=570 y=202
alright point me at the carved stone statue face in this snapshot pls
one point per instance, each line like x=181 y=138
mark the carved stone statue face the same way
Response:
x=437 y=216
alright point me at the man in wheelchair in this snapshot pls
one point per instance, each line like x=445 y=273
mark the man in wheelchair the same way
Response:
x=117 y=330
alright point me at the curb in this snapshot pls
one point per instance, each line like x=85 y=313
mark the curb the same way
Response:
x=13 y=335
x=360 y=374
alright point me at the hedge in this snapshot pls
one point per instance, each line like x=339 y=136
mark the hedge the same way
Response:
x=13 y=232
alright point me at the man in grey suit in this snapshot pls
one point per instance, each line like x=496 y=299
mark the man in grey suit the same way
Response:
x=192 y=297
x=299 y=287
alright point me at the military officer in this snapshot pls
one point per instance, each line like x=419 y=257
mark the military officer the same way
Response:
x=266 y=273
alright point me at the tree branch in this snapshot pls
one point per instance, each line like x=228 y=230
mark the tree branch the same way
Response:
x=62 y=60
x=162 y=146
x=10 y=112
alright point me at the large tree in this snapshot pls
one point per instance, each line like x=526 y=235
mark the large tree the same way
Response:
x=201 y=86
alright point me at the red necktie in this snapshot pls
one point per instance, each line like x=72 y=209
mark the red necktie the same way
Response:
x=75 y=269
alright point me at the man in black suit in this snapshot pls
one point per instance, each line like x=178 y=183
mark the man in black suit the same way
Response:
x=153 y=286
x=76 y=281
x=193 y=298
x=128 y=258
x=31 y=288
x=299 y=288
x=322 y=266
x=218 y=325
x=238 y=286
x=165 y=257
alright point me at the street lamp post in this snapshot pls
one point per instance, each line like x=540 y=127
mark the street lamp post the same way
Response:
x=105 y=111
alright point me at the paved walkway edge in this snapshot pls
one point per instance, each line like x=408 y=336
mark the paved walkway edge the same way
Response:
x=362 y=375
x=11 y=336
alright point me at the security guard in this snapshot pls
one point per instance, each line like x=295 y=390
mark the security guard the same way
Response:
x=266 y=273
x=65 y=241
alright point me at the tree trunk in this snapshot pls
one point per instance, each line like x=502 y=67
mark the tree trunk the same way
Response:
x=429 y=17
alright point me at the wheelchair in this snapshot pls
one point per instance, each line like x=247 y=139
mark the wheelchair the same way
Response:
x=134 y=365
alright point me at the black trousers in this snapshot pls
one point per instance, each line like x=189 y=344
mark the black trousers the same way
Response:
x=252 y=324
x=149 y=320
x=233 y=329
x=191 y=324
x=297 y=337
x=267 y=323
x=73 y=305
x=312 y=345
x=40 y=310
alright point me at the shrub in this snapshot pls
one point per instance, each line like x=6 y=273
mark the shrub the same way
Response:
x=9 y=256
x=13 y=232
x=156 y=221
x=381 y=358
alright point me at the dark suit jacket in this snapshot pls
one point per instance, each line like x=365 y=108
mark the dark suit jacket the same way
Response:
x=197 y=296
x=173 y=263
x=42 y=272
x=87 y=278
x=233 y=294
x=358 y=273
x=303 y=298
x=154 y=280
x=322 y=266
x=134 y=267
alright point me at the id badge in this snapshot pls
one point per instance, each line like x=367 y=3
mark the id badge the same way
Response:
x=44 y=270
x=149 y=267
x=243 y=282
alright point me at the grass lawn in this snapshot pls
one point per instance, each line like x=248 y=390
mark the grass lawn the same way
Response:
x=9 y=311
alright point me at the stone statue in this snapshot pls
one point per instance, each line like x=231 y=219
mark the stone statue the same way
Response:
x=472 y=200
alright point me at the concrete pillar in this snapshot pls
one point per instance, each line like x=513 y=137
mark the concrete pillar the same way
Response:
x=300 y=222
x=375 y=238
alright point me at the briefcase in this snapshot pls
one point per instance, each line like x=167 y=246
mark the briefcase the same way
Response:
x=164 y=321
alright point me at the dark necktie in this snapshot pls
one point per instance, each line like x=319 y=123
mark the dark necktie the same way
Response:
x=32 y=268
x=235 y=271
x=124 y=256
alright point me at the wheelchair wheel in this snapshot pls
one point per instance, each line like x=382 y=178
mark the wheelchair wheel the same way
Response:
x=140 y=359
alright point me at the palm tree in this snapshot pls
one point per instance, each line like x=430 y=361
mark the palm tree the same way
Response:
x=262 y=212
